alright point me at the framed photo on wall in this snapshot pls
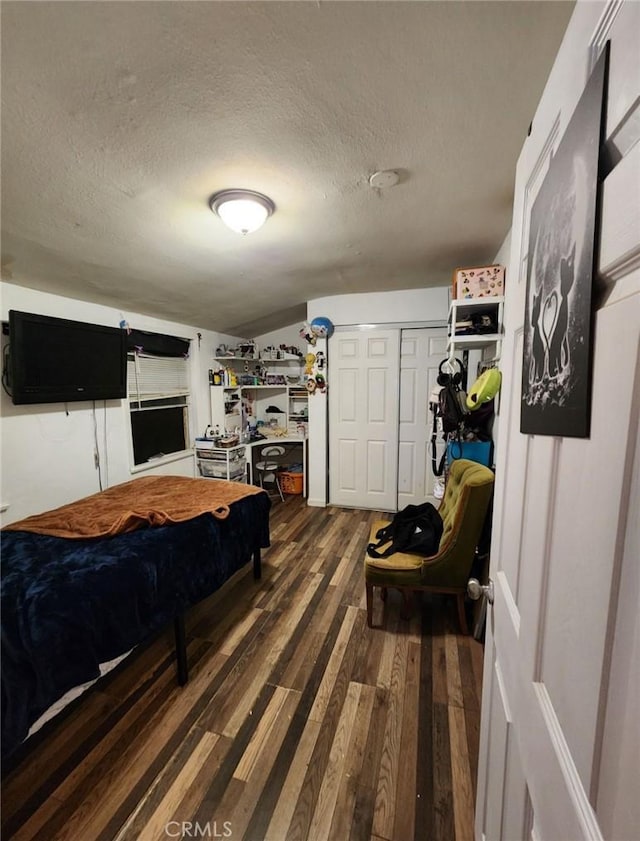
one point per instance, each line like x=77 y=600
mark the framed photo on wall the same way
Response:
x=556 y=371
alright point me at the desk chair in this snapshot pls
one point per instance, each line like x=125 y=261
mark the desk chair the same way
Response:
x=267 y=467
x=463 y=509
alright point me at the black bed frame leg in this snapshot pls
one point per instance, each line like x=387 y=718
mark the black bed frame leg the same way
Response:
x=182 y=667
x=257 y=564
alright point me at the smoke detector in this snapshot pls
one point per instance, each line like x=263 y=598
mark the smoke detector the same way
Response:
x=384 y=178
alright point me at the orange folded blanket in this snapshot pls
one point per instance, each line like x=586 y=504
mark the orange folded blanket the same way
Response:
x=148 y=501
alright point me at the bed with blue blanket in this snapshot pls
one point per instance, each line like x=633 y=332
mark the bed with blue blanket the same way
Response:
x=71 y=603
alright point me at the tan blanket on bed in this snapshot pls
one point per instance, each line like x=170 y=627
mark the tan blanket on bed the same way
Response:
x=150 y=500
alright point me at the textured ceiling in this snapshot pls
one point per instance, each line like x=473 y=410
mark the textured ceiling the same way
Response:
x=120 y=119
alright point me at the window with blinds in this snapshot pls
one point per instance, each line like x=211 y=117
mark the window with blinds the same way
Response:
x=158 y=391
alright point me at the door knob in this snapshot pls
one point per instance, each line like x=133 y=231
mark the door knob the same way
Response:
x=475 y=590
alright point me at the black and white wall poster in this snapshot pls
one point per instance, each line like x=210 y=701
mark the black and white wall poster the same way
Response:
x=556 y=374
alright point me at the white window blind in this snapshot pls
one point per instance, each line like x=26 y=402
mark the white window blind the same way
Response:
x=156 y=377
x=158 y=390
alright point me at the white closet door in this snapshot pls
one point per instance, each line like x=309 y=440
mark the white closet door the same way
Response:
x=363 y=412
x=421 y=351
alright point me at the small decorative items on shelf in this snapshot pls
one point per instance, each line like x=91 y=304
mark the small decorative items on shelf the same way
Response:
x=316 y=381
x=281 y=352
x=314 y=373
x=223 y=376
x=245 y=350
x=319 y=328
x=247 y=365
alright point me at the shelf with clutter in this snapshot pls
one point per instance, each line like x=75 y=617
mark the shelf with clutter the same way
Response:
x=467 y=403
x=258 y=391
x=265 y=391
x=221 y=458
x=475 y=324
x=476 y=311
x=226 y=408
x=246 y=365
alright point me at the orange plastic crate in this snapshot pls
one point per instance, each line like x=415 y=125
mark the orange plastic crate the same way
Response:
x=291 y=483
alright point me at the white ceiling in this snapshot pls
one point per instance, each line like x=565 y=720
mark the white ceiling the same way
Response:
x=120 y=119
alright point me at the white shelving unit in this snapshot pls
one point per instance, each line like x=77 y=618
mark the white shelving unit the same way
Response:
x=233 y=405
x=258 y=399
x=226 y=407
x=463 y=310
x=298 y=410
x=261 y=358
x=272 y=358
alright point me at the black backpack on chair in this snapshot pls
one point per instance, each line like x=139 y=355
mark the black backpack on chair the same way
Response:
x=416 y=529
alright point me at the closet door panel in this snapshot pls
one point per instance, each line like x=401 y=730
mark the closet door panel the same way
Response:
x=363 y=412
x=421 y=351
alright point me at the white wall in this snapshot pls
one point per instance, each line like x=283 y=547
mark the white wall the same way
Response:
x=405 y=306
x=501 y=259
x=286 y=336
x=47 y=454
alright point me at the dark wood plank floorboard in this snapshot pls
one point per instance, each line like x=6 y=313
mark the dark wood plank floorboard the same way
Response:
x=298 y=721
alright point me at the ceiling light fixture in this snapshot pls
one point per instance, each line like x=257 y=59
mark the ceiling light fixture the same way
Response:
x=244 y=211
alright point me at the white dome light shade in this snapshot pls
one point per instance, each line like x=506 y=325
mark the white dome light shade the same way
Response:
x=244 y=211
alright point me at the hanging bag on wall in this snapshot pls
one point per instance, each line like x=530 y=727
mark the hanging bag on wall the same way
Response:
x=437 y=466
x=450 y=409
x=416 y=529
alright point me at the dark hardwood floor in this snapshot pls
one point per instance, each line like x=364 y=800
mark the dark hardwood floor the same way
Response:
x=298 y=721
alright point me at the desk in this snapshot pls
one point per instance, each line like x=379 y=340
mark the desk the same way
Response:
x=290 y=443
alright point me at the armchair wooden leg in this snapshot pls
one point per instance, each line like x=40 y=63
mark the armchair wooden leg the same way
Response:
x=462 y=616
x=407 y=604
x=369 y=590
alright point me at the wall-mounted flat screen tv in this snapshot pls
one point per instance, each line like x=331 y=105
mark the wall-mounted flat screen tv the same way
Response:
x=54 y=360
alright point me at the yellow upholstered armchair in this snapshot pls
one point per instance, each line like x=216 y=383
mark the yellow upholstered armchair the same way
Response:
x=463 y=510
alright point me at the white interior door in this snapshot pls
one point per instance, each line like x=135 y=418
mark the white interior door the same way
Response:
x=363 y=412
x=559 y=743
x=421 y=352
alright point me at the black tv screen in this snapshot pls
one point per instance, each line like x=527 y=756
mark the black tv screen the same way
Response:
x=54 y=360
